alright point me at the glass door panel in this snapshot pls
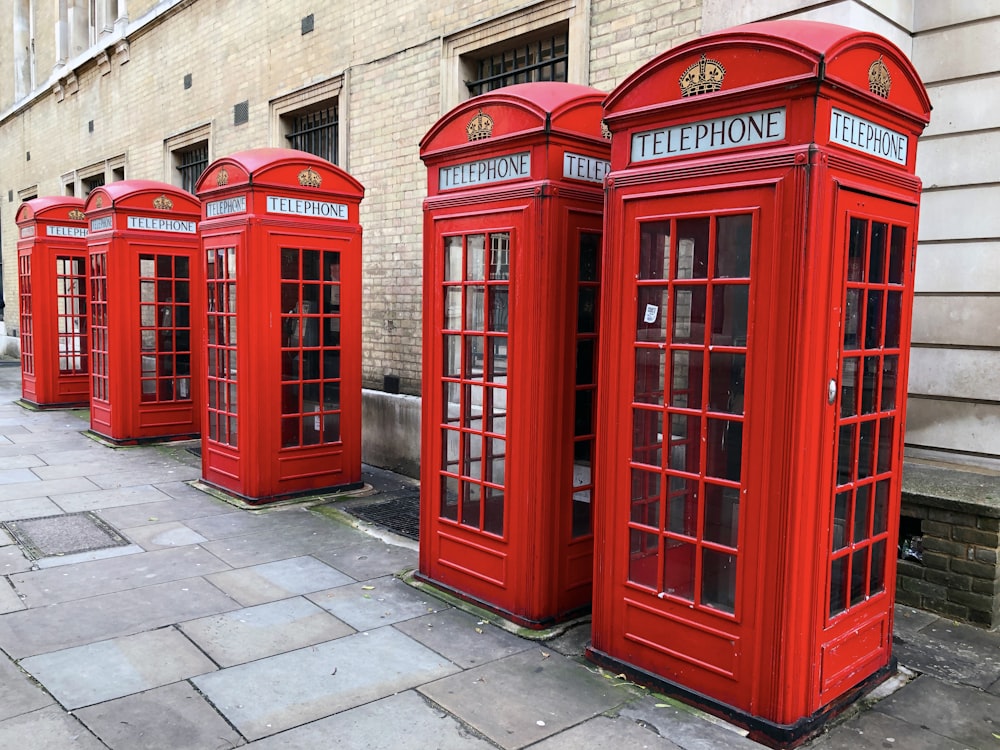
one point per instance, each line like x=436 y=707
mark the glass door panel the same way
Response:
x=223 y=412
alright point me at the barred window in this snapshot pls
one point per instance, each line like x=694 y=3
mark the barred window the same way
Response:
x=525 y=60
x=314 y=130
x=191 y=162
x=89 y=183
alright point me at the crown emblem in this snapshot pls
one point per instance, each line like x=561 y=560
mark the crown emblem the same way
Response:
x=98 y=201
x=309 y=178
x=163 y=203
x=704 y=77
x=479 y=127
x=222 y=177
x=879 y=80
x=77 y=215
x=605 y=130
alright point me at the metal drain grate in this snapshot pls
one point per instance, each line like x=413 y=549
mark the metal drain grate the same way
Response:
x=400 y=514
x=65 y=534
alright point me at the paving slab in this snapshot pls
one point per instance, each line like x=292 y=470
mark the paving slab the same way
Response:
x=685 y=726
x=274 y=694
x=97 y=672
x=464 y=638
x=874 y=730
x=29 y=507
x=252 y=633
x=46 y=488
x=953 y=651
x=606 y=732
x=132 y=475
x=278 y=580
x=378 y=602
x=401 y=721
x=173 y=716
x=76 y=623
x=240 y=523
x=47 y=587
x=73 y=502
x=89 y=469
x=526 y=697
x=19 y=694
x=25 y=461
x=50 y=728
x=9 y=600
x=278 y=542
x=960 y=713
x=59 y=561
x=13 y=476
x=370 y=558
x=165 y=535
x=179 y=506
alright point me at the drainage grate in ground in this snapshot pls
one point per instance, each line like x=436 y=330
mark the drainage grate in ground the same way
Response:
x=400 y=514
x=66 y=534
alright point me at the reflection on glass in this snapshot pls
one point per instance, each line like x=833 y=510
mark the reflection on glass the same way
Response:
x=685 y=443
x=724 y=452
x=682 y=506
x=689 y=315
x=646 y=436
x=880 y=520
x=876 y=581
x=849 y=387
x=475 y=266
x=869 y=385
x=893 y=311
x=471 y=496
x=859 y=575
x=649 y=365
x=725 y=385
x=845 y=454
x=654 y=250
x=862 y=502
x=499 y=256
x=590 y=256
x=499 y=311
x=473 y=369
x=147 y=267
x=692 y=248
x=852 y=319
x=873 y=320
x=645 y=500
x=678 y=568
x=651 y=314
x=644 y=557
x=686 y=374
x=890 y=369
x=886 y=444
x=493 y=509
x=718 y=580
x=498 y=359
x=858 y=235
x=448 y=507
x=475 y=316
x=722 y=505
x=147 y=315
x=876 y=257
x=495 y=465
x=452 y=258
x=729 y=314
x=473 y=407
x=897 y=251
x=449 y=450
x=866 y=449
x=452 y=356
x=472 y=455
x=840 y=509
x=732 y=256
x=838 y=586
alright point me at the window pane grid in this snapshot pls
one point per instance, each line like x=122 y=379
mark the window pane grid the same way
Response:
x=544 y=59
x=27 y=320
x=474 y=376
x=191 y=162
x=99 y=326
x=165 y=327
x=71 y=314
x=223 y=418
x=690 y=366
x=588 y=315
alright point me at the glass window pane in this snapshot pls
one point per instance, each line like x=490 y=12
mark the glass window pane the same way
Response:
x=849 y=387
x=646 y=436
x=876 y=582
x=651 y=314
x=886 y=444
x=686 y=378
x=890 y=368
x=473 y=369
x=729 y=314
x=897 y=252
x=718 y=580
x=645 y=500
x=859 y=575
x=644 y=557
x=289 y=263
x=475 y=267
x=147 y=266
x=499 y=256
x=649 y=364
x=678 y=568
x=725 y=385
x=448 y=507
x=452 y=258
x=732 y=259
x=654 y=250
x=724 y=451
x=689 y=315
x=845 y=454
x=838 y=586
x=876 y=257
x=475 y=314
x=840 y=508
x=873 y=320
x=472 y=409
x=590 y=256
x=862 y=505
x=869 y=384
x=498 y=359
x=586 y=365
x=866 y=450
x=722 y=506
x=449 y=450
x=692 y=248
x=880 y=521
x=495 y=462
x=685 y=443
x=586 y=315
x=858 y=234
x=452 y=356
x=471 y=497
x=852 y=319
x=493 y=510
x=893 y=310
x=499 y=311
x=682 y=506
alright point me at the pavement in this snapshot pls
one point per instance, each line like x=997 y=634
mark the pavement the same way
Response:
x=212 y=626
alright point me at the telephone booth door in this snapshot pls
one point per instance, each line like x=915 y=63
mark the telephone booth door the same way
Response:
x=145 y=295
x=281 y=243
x=52 y=280
x=761 y=219
x=512 y=273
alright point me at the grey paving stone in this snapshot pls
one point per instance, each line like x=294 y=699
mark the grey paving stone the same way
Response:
x=685 y=726
x=604 y=732
x=311 y=683
x=29 y=507
x=278 y=542
x=378 y=602
x=13 y=561
x=50 y=728
x=97 y=672
x=46 y=587
x=507 y=699
x=165 y=535
x=960 y=713
x=72 y=502
x=18 y=693
x=370 y=558
x=80 y=450
x=278 y=580
x=59 y=561
x=252 y=633
x=573 y=640
x=463 y=638
x=13 y=476
x=9 y=600
x=398 y=722
x=46 y=488
x=873 y=730
x=242 y=523
x=25 y=461
x=179 y=506
x=952 y=651
x=907 y=621
x=76 y=623
x=174 y=716
x=89 y=469
x=131 y=475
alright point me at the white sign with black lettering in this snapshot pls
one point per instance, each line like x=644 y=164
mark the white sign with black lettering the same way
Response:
x=868 y=137
x=60 y=230
x=237 y=205
x=485 y=171
x=99 y=225
x=162 y=224
x=277 y=204
x=586 y=168
x=746 y=129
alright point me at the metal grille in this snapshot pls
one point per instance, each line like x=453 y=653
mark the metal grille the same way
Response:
x=544 y=59
x=89 y=183
x=191 y=162
x=315 y=132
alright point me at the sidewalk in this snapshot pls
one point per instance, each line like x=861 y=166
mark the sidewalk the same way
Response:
x=209 y=626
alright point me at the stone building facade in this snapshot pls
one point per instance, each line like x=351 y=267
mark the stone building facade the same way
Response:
x=93 y=91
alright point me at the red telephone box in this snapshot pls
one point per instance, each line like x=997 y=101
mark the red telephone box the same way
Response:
x=512 y=238
x=145 y=295
x=52 y=276
x=281 y=246
x=762 y=225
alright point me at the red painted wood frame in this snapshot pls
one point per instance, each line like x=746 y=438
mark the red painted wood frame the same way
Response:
x=145 y=297
x=281 y=256
x=512 y=240
x=52 y=289
x=762 y=223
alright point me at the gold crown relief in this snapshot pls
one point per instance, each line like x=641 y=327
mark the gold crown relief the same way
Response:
x=879 y=80
x=605 y=130
x=309 y=178
x=98 y=201
x=77 y=215
x=479 y=127
x=704 y=77
x=163 y=203
x=222 y=177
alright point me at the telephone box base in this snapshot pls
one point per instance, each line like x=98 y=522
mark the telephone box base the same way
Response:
x=123 y=442
x=34 y=406
x=520 y=620
x=769 y=733
x=236 y=498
